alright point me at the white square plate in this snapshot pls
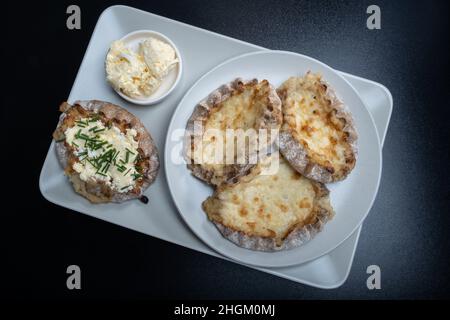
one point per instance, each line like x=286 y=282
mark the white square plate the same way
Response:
x=201 y=50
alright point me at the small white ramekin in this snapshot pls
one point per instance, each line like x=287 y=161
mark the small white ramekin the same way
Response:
x=169 y=83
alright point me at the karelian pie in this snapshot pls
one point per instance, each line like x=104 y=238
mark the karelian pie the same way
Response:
x=239 y=105
x=318 y=137
x=106 y=151
x=273 y=208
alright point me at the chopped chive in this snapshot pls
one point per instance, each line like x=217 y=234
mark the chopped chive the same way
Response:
x=99 y=130
x=74 y=144
x=92 y=163
x=82 y=136
x=123 y=188
x=93 y=128
x=127 y=172
x=94 y=118
x=115 y=156
x=127 y=156
x=136 y=176
x=121 y=168
x=99 y=145
x=105 y=169
x=81 y=123
x=129 y=151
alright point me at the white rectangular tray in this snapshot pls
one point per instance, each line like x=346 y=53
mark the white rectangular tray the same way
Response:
x=201 y=50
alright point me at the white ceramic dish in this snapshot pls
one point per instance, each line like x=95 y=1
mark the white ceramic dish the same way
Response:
x=202 y=50
x=350 y=201
x=169 y=83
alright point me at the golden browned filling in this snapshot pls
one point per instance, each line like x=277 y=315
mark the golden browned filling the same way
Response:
x=231 y=132
x=312 y=120
x=268 y=205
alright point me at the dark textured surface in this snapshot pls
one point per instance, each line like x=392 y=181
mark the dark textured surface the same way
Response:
x=406 y=233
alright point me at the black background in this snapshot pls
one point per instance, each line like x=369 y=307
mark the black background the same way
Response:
x=406 y=232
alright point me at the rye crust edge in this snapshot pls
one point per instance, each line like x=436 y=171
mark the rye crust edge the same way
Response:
x=297 y=155
x=93 y=191
x=296 y=238
x=271 y=119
